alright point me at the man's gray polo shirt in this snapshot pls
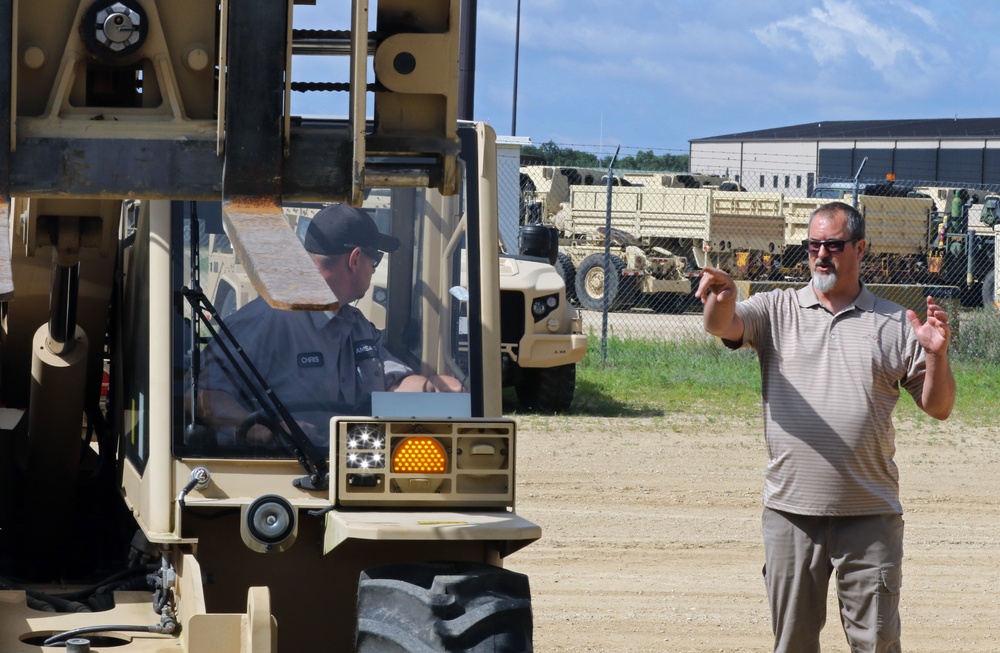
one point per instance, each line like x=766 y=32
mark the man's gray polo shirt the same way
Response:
x=829 y=386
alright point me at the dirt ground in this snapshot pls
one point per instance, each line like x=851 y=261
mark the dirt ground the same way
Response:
x=651 y=535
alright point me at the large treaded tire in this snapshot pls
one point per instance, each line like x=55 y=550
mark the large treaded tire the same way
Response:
x=547 y=389
x=591 y=286
x=989 y=292
x=564 y=266
x=443 y=607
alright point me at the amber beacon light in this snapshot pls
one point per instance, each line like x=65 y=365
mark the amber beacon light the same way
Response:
x=419 y=455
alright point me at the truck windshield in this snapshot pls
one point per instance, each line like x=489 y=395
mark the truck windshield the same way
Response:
x=254 y=376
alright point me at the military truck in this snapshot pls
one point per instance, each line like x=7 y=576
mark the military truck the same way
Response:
x=651 y=264
x=127 y=522
x=897 y=232
x=932 y=235
x=542 y=332
x=666 y=222
x=957 y=248
x=544 y=188
x=660 y=236
x=963 y=240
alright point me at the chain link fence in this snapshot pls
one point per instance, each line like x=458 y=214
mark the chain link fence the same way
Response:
x=631 y=250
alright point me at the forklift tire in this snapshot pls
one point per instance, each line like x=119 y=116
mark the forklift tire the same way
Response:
x=989 y=292
x=591 y=286
x=546 y=389
x=443 y=607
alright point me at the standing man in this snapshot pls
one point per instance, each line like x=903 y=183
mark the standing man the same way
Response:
x=833 y=358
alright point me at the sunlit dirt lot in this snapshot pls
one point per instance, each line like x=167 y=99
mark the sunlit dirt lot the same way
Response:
x=651 y=535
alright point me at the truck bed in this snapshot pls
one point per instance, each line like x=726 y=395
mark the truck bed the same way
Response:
x=713 y=217
x=894 y=225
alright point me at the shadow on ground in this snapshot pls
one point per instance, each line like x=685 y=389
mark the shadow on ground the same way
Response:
x=588 y=400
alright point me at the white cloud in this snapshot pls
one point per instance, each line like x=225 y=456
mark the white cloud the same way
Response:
x=655 y=73
x=925 y=15
x=884 y=40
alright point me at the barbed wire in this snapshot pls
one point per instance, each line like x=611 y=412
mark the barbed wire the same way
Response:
x=717 y=160
x=593 y=148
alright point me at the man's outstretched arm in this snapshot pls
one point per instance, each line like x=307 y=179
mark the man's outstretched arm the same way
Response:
x=717 y=291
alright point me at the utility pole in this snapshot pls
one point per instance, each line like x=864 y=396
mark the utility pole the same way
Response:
x=517 y=48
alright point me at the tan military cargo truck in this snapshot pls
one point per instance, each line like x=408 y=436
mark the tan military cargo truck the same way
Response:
x=665 y=227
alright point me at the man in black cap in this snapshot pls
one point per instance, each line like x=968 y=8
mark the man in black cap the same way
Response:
x=346 y=246
x=317 y=362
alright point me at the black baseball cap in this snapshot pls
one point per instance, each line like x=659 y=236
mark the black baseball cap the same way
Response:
x=339 y=228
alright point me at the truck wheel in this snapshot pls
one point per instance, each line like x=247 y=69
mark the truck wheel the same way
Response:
x=591 y=284
x=547 y=389
x=564 y=266
x=989 y=292
x=439 y=607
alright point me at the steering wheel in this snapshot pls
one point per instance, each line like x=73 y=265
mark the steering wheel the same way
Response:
x=261 y=417
x=251 y=420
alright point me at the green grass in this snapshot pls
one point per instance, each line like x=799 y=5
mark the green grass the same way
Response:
x=651 y=378
x=978 y=338
x=645 y=377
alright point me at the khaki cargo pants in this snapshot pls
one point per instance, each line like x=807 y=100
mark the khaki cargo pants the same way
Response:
x=802 y=551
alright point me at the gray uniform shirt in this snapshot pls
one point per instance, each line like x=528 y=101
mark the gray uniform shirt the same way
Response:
x=829 y=386
x=309 y=358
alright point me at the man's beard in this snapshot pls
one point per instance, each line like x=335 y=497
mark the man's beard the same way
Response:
x=824 y=281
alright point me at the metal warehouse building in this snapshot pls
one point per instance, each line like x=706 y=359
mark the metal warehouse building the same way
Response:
x=793 y=159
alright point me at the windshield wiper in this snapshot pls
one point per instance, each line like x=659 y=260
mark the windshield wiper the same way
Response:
x=310 y=456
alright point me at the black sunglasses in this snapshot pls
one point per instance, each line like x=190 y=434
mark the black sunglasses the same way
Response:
x=832 y=246
x=374 y=254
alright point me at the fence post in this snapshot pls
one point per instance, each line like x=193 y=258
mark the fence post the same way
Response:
x=607 y=258
x=854 y=194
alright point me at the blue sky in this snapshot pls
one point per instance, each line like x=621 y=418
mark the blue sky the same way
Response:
x=652 y=74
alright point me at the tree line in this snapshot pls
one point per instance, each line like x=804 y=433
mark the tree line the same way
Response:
x=551 y=154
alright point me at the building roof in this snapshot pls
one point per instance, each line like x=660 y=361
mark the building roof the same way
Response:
x=871 y=129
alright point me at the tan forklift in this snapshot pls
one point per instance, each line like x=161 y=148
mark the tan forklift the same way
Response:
x=128 y=524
